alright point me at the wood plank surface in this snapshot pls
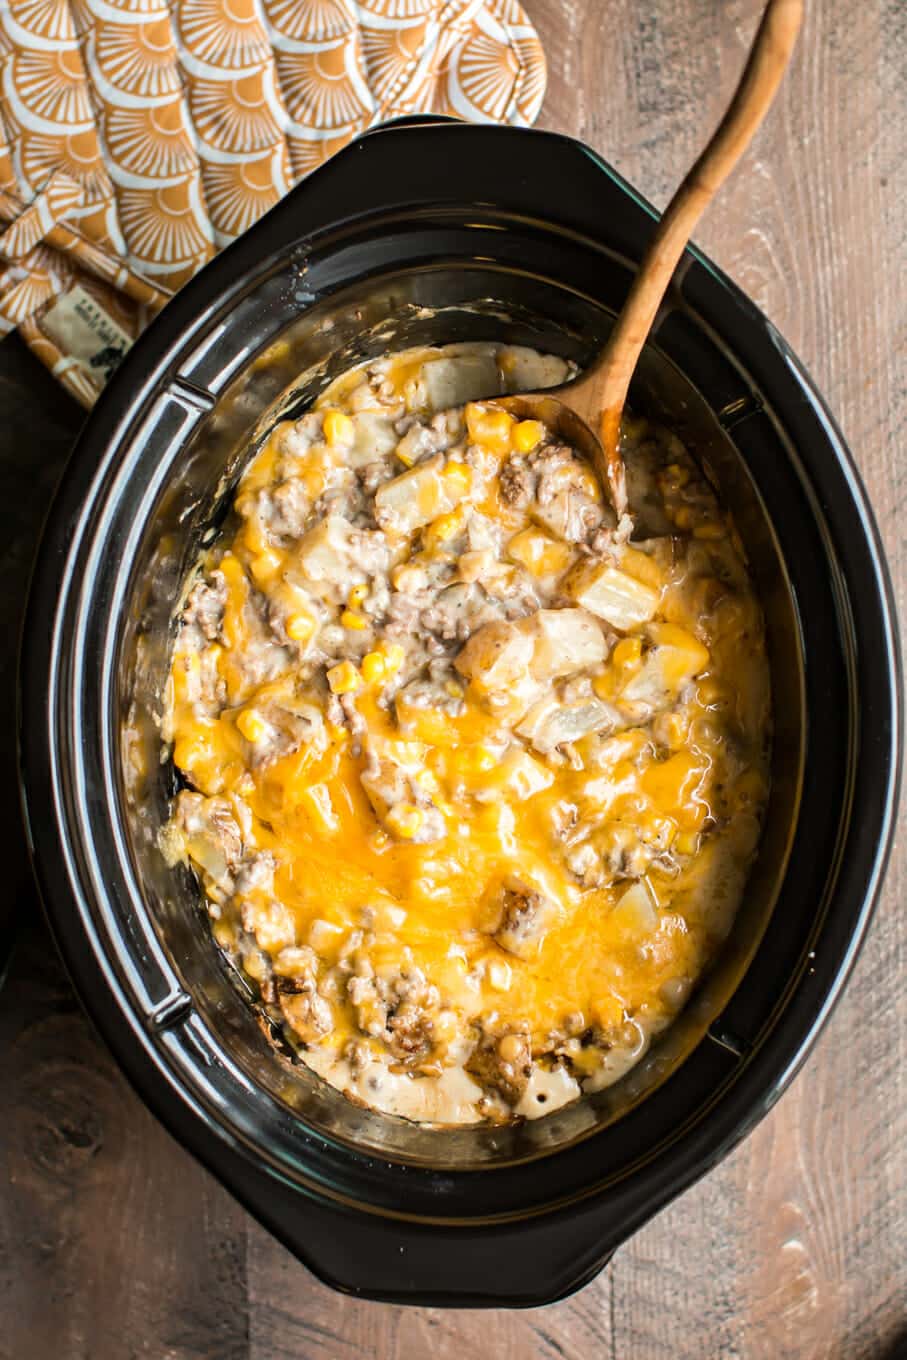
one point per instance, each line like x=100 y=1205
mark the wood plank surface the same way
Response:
x=115 y=1245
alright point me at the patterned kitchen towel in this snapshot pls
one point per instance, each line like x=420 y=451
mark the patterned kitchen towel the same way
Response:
x=138 y=137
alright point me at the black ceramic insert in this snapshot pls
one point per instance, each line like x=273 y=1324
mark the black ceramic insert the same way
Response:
x=435 y=232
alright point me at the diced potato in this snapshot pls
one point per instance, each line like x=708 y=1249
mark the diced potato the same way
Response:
x=564 y=641
x=539 y=553
x=649 y=686
x=672 y=784
x=612 y=595
x=676 y=658
x=497 y=656
x=374 y=438
x=454 y=381
x=316 y=800
x=525 y=370
x=417 y=497
x=325 y=552
x=519 y=774
x=324 y=936
x=339 y=430
x=635 y=912
x=691 y=655
x=550 y=723
x=649 y=566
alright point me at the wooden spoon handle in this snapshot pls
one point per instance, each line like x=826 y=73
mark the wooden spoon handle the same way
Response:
x=605 y=385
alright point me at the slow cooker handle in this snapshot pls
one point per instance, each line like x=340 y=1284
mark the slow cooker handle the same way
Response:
x=520 y=1264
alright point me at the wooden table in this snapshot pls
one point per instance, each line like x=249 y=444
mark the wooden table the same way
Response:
x=114 y=1244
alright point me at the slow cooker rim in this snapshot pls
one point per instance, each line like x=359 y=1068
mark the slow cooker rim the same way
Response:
x=123 y=412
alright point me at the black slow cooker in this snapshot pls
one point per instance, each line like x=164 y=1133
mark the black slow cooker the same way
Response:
x=433 y=232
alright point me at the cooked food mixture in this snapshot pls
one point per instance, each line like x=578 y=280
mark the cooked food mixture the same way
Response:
x=473 y=776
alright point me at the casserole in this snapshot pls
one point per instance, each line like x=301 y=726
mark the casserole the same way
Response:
x=415 y=234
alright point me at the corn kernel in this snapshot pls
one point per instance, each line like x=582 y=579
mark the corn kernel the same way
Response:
x=711 y=530
x=393 y=656
x=489 y=427
x=678 y=475
x=252 y=725
x=338 y=428
x=405 y=820
x=683 y=517
x=357 y=596
x=300 y=627
x=687 y=843
x=351 y=620
x=458 y=477
x=344 y=678
x=407 y=459
x=265 y=566
x=443 y=528
x=374 y=668
x=453 y=689
x=627 y=652
x=527 y=434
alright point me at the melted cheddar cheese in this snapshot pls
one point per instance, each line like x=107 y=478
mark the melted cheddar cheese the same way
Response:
x=473 y=779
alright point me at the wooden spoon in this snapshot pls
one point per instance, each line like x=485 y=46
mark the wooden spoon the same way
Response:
x=596 y=398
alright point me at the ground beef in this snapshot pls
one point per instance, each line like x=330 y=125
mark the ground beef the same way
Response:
x=373 y=474
x=403 y=613
x=517 y=481
x=525 y=916
x=369 y=550
x=563 y=493
x=418 y=441
x=503 y=1064
x=286 y=512
x=398 y=1010
x=205 y=606
x=257 y=874
x=410 y=1029
x=457 y=612
x=347 y=500
x=307 y=1013
x=207 y=831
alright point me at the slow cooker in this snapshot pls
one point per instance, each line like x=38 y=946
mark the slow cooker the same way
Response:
x=429 y=232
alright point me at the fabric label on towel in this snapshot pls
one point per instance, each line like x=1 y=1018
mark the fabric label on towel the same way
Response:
x=85 y=331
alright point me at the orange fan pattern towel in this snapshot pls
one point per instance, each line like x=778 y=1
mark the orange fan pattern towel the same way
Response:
x=138 y=137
